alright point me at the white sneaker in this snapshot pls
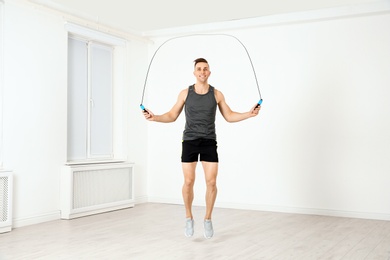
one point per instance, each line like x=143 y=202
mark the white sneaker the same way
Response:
x=208 y=229
x=189 y=229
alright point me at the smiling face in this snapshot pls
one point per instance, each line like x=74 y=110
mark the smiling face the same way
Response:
x=202 y=72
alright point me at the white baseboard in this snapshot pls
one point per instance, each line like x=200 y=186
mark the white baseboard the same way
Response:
x=141 y=199
x=307 y=211
x=50 y=216
x=166 y=200
x=282 y=209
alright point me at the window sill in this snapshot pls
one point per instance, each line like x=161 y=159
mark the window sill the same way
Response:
x=86 y=162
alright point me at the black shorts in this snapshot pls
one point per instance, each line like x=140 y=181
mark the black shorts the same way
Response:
x=203 y=149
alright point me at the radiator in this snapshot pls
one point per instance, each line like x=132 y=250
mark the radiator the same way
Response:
x=96 y=188
x=5 y=201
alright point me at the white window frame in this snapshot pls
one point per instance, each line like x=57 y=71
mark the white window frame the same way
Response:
x=118 y=64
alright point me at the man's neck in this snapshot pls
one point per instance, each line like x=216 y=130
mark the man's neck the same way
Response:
x=201 y=87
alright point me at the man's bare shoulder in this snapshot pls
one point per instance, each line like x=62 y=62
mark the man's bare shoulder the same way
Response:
x=183 y=94
x=185 y=90
x=218 y=95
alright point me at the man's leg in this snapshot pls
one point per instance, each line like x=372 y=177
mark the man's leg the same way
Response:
x=211 y=172
x=188 y=196
x=188 y=186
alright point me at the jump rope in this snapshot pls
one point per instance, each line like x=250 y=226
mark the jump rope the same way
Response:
x=193 y=35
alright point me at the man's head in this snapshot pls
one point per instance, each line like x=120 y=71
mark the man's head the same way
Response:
x=201 y=70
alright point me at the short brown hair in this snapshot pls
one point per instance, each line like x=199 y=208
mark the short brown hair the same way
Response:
x=200 y=60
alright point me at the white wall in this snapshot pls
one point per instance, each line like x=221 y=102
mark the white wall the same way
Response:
x=1 y=80
x=34 y=109
x=137 y=127
x=321 y=144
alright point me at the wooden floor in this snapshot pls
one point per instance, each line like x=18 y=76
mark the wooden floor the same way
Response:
x=156 y=231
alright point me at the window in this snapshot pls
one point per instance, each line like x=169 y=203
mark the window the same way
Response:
x=90 y=98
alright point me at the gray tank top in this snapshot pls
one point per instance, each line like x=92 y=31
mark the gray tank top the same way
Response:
x=200 y=111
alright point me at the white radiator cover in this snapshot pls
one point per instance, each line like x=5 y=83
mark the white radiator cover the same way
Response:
x=96 y=188
x=5 y=201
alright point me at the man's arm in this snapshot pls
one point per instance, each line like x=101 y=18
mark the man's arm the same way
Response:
x=232 y=116
x=172 y=114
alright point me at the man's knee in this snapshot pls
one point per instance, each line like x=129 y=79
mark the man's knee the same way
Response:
x=189 y=182
x=211 y=183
